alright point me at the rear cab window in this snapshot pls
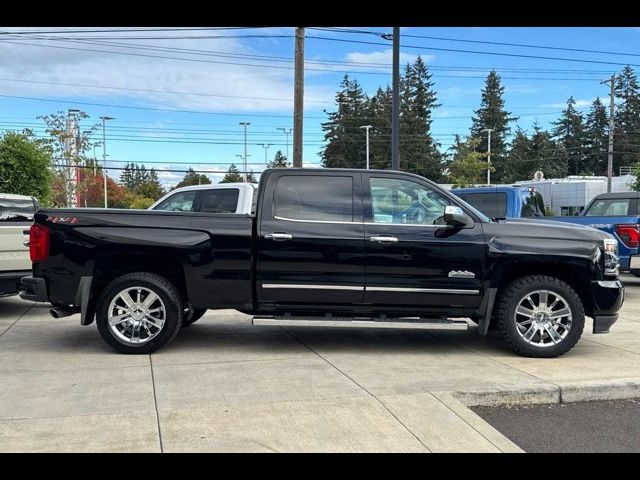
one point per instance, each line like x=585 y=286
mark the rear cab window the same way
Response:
x=220 y=200
x=492 y=204
x=17 y=209
x=609 y=207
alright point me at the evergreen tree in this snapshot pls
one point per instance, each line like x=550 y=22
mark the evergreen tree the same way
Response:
x=345 y=146
x=127 y=176
x=627 y=120
x=193 y=178
x=150 y=187
x=233 y=175
x=279 y=161
x=380 y=109
x=597 y=133
x=531 y=154
x=251 y=178
x=570 y=134
x=418 y=151
x=492 y=115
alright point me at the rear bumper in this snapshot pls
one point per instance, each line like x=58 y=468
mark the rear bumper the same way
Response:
x=608 y=296
x=10 y=281
x=34 y=289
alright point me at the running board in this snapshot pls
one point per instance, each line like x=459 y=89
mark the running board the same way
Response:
x=349 y=322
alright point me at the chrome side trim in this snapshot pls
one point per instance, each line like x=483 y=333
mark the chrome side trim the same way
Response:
x=351 y=323
x=370 y=289
x=286 y=219
x=424 y=290
x=313 y=287
x=314 y=221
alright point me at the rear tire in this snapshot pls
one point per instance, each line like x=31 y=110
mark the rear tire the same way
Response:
x=538 y=324
x=139 y=313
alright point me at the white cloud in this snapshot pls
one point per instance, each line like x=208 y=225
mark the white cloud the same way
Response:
x=221 y=83
x=385 y=57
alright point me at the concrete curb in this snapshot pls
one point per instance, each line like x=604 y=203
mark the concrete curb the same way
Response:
x=563 y=392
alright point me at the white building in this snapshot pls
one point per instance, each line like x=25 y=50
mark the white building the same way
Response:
x=567 y=196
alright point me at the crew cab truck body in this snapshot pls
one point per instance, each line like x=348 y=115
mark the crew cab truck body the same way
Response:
x=327 y=247
x=616 y=213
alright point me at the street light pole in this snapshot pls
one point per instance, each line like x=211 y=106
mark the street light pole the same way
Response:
x=245 y=125
x=284 y=130
x=395 y=116
x=104 y=156
x=366 y=129
x=266 y=149
x=488 y=130
x=611 y=127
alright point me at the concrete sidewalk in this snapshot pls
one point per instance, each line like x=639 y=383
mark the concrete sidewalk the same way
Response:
x=224 y=385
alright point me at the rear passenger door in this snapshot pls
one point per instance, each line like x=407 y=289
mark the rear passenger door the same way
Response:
x=310 y=240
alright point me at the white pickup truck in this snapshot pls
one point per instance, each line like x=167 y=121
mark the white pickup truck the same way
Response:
x=16 y=215
x=218 y=198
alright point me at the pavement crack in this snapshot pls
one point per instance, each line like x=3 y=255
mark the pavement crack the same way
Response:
x=382 y=404
x=155 y=404
x=17 y=319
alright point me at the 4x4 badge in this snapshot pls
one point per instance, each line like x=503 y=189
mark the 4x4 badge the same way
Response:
x=461 y=274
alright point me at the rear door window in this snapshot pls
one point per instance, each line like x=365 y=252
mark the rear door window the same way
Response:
x=609 y=207
x=221 y=200
x=314 y=198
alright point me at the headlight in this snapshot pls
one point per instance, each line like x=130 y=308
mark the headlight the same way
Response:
x=611 y=261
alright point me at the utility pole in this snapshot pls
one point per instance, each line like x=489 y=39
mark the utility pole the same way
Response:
x=366 y=129
x=245 y=125
x=284 y=130
x=71 y=154
x=612 y=80
x=395 y=123
x=488 y=130
x=266 y=149
x=104 y=156
x=298 y=98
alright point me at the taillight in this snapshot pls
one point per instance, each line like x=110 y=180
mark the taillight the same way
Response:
x=629 y=234
x=38 y=243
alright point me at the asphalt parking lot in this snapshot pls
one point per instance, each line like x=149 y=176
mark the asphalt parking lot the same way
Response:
x=225 y=385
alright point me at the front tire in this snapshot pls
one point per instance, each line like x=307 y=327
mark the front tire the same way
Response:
x=139 y=313
x=540 y=316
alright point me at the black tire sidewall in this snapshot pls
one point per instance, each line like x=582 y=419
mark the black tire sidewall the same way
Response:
x=510 y=300
x=158 y=285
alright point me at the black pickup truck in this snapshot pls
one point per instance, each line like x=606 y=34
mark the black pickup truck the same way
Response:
x=338 y=248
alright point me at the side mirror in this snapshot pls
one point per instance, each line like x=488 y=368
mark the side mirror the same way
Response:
x=456 y=217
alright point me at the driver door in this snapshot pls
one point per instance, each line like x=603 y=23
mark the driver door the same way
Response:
x=410 y=261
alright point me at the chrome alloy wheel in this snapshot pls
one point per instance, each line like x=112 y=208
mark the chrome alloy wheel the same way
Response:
x=136 y=315
x=543 y=318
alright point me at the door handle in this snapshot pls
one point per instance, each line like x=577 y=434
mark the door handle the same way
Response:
x=384 y=239
x=278 y=236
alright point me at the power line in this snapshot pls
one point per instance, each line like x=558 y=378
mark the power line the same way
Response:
x=485 y=42
x=477 y=52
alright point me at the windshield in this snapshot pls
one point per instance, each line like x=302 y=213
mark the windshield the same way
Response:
x=16 y=209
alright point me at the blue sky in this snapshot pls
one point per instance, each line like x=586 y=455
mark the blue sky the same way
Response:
x=196 y=124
